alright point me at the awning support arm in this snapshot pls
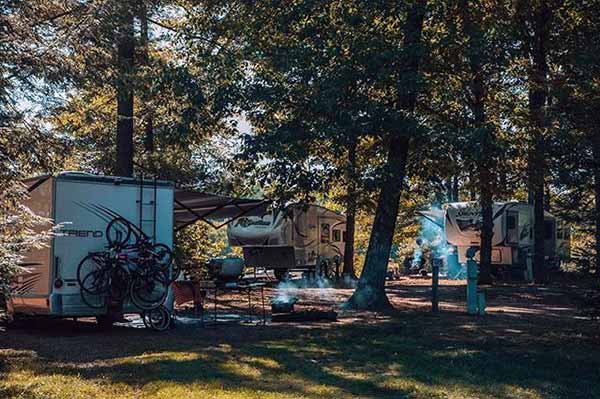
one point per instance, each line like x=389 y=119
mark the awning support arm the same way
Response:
x=193 y=212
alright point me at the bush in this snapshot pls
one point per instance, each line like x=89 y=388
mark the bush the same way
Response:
x=20 y=231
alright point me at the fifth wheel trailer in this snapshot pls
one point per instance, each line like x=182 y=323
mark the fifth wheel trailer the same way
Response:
x=80 y=205
x=299 y=237
x=512 y=239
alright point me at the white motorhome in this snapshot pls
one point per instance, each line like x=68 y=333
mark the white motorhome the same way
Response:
x=512 y=239
x=300 y=237
x=81 y=205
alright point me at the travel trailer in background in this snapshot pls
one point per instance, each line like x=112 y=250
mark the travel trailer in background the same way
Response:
x=309 y=238
x=512 y=239
x=81 y=206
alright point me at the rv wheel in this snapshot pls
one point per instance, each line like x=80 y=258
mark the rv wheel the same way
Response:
x=282 y=274
x=325 y=270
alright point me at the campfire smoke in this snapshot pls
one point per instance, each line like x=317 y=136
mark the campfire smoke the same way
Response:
x=432 y=243
x=286 y=292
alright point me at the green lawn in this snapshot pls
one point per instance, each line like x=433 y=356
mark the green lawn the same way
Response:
x=408 y=354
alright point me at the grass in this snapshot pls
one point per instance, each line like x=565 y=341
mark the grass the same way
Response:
x=403 y=355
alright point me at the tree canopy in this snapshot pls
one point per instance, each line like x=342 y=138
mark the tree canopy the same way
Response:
x=374 y=108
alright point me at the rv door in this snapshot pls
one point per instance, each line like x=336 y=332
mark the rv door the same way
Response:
x=512 y=227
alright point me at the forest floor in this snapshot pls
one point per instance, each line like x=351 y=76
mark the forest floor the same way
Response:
x=534 y=342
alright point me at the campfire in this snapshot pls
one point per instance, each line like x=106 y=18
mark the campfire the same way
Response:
x=282 y=309
x=283 y=305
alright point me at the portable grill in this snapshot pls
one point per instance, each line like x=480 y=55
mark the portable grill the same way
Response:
x=283 y=305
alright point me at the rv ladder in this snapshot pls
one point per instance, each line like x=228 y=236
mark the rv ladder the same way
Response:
x=148 y=226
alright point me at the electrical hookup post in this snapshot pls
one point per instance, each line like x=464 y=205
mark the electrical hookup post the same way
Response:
x=475 y=299
x=436 y=263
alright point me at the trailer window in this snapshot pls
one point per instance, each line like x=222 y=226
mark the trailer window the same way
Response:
x=325 y=237
x=511 y=222
x=337 y=235
x=344 y=236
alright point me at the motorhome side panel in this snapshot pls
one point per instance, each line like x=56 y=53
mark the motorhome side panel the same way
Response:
x=32 y=286
x=84 y=207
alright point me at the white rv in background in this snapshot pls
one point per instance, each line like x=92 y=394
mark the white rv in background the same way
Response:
x=82 y=205
x=512 y=240
x=300 y=237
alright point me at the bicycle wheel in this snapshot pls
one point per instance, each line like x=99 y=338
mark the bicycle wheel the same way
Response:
x=157 y=319
x=118 y=233
x=119 y=284
x=163 y=256
x=149 y=288
x=93 y=274
x=175 y=271
x=94 y=301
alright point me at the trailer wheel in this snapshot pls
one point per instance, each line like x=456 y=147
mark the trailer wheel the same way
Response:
x=324 y=270
x=282 y=274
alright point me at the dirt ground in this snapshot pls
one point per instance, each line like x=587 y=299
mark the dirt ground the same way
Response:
x=515 y=312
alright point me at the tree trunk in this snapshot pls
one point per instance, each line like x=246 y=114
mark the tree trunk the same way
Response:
x=145 y=60
x=370 y=292
x=452 y=189
x=348 y=271
x=537 y=99
x=596 y=168
x=475 y=49
x=455 y=194
x=125 y=49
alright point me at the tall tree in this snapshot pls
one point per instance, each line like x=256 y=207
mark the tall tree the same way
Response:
x=351 y=201
x=145 y=61
x=31 y=70
x=476 y=55
x=577 y=100
x=124 y=88
x=370 y=291
x=534 y=18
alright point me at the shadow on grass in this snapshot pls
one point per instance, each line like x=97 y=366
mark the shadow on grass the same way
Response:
x=384 y=360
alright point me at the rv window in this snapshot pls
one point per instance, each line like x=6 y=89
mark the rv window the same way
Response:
x=325 y=232
x=511 y=222
x=337 y=235
x=344 y=236
x=548 y=230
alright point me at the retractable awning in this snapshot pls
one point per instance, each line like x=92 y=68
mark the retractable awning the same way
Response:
x=191 y=206
x=434 y=215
